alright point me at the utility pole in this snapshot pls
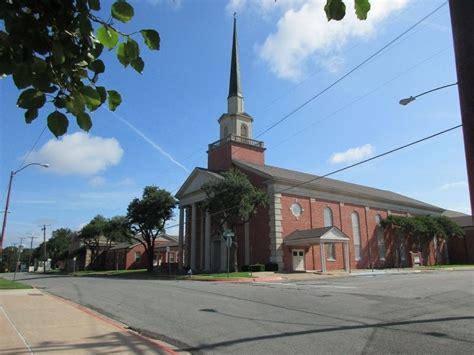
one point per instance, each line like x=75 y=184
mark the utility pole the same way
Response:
x=18 y=259
x=44 y=247
x=31 y=250
x=463 y=41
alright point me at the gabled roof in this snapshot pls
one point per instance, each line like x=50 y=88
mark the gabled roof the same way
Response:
x=331 y=185
x=316 y=236
x=195 y=180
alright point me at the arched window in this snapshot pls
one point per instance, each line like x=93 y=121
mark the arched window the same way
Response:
x=327 y=217
x=356 y=234
x=244 y=131
x=380 y=237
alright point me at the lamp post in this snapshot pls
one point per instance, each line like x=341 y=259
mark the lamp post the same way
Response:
x=407 y=100
x=12 y=174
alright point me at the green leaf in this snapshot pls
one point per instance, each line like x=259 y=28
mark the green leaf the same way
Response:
x=152 y=39
x=91 y=97
x=58 y=53
x=30 y=115
x=102 y=93
x=362 y=7
x=97 y=66
x=22 y=76
x=75 y=103
x=335 y=10
x=39 y=65
x=41 y=82
x=114 y=99
x=31 y=99
x=84 y=121
x=94 y=4
x=57 y=123
x=138 y=64
x=131 y=49
x=107 y=36
x=59 y=102
x=122 y=55
x=122 y=11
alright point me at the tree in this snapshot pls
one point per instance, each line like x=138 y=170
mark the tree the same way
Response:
x=116 y=230
x=146 y=218
x=424 y=229
x=92 y=235
x=50 y=49
x=58 y=245
x=232 y=201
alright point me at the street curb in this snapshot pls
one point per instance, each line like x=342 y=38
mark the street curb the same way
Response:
x=168 y=348
x=240 y=280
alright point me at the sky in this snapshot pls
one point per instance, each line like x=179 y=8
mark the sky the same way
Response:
x=289 y=53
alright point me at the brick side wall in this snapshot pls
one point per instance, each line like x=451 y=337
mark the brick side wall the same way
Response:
x=461 y=250
x=220 y=158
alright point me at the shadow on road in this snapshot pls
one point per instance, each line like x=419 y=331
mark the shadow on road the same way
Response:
x=326 y=330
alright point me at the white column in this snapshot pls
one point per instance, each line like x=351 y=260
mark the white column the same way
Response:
x=207 y=242
x=247 y=243
x=345 y=247
x=181 y=237
x=193 y=236
x=201 y=240
x=323 y=257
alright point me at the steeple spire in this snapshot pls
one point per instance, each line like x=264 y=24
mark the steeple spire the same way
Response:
x=235 y=100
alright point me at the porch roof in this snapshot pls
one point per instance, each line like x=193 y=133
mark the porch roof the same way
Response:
x=313 y=236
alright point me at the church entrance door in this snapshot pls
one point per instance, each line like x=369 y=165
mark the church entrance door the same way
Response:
x=298 y=259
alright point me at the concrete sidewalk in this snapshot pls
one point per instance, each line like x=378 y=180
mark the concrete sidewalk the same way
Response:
x=35 y=322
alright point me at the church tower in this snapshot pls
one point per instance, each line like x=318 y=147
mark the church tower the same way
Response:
x=235 y=126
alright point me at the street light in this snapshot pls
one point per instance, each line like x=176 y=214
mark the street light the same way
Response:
x=407 y=100
x=12 y=174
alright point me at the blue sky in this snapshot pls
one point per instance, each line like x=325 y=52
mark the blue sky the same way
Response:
x=288 y=53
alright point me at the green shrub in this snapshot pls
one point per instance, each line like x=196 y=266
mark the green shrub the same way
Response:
x=271 y=267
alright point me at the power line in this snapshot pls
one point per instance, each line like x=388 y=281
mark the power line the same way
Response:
x=358 y=66
x=346 y=167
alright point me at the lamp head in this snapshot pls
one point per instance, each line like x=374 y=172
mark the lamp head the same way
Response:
x=406 y=101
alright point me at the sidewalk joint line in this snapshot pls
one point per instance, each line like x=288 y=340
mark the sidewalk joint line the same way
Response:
x=16 y=329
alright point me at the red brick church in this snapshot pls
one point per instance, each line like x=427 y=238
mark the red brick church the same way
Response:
x=310 y=223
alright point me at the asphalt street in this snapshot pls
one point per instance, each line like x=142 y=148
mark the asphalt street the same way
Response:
x=425 y=313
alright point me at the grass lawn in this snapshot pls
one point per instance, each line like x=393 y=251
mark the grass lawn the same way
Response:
x=9 y=285
x=447 y=266
x=222 y=275
x=111 y=273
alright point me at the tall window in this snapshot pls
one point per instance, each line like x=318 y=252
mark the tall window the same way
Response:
x=330 y=247
x=226 y=132
x=327 y=217
x=244 y=131
x=380 y=237
x=138 y=257
x=356 y=234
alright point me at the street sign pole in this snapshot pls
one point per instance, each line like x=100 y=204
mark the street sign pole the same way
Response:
x=228 y=235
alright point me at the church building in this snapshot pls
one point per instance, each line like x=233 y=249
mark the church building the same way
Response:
x=311 y=223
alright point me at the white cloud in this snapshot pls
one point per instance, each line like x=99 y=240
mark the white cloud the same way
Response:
x=303 y=33
x=353 y=154
x=454 y=185
x=79 y=154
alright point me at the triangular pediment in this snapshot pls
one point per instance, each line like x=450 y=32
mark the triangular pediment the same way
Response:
x=195 y=180
x=334 y=234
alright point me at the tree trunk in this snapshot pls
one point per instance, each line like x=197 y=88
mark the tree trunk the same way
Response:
x=236 y=262
x=149 y=251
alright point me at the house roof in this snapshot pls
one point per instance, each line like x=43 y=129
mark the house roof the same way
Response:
x=316 y=236
x=332 y=185
x=161 y=240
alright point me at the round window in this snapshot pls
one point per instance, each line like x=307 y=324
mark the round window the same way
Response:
x=296 y=209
